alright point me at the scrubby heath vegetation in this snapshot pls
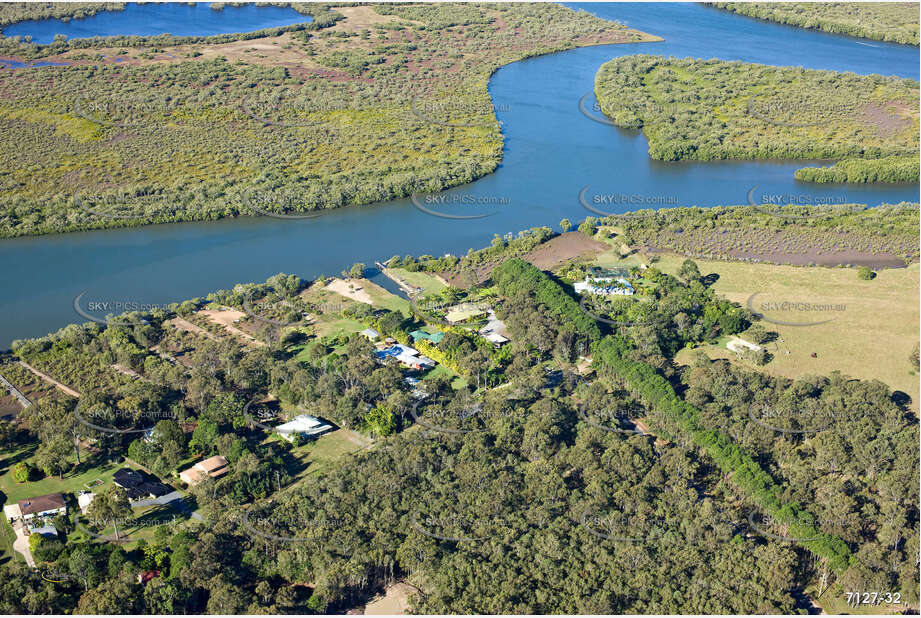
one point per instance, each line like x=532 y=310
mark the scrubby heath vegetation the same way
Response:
x=342 y=112
x=713 y=110
x=883 y=236
x=520 y=479
x=895 y=22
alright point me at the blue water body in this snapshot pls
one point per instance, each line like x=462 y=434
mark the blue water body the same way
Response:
x=552 y=153
x=8 y=63
x=178 y=19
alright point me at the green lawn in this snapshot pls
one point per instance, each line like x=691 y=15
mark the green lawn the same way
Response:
x=337 y=325
x=142 y=524
x=7 y=536
x=871 y=338
x=424 y=280
x=71 y=483
x=319 y=455
x=380 y=297
x=441 y=370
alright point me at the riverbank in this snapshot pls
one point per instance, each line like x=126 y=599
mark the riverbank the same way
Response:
x=336 y=120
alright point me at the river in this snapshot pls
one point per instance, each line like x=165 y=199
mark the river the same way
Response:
x=150 y=19
x=552 y=151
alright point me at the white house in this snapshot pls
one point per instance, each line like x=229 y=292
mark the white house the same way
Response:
x=84 y=499
x=370 y=333
x=595 y=285
x=304 y=425
x=737 y=344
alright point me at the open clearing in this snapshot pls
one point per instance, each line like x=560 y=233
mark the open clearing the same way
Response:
x=351 y=288
x=564 y=248
x=228 y=318
x=429 y=283
x=394 y=601
x=871 y=337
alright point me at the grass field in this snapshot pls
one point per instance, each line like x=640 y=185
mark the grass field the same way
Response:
x=7 y=536
x=319 y=455
x=334 y=326
x=870 y=338
x=142 y=524
x=384 y=299
x=72 y=482
x=427 y=281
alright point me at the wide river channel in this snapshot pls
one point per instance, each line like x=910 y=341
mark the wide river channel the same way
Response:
x=552 y=151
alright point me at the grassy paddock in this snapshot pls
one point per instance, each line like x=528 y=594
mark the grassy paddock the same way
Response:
x=427 y=281
x=71 y=483
x=871 y=338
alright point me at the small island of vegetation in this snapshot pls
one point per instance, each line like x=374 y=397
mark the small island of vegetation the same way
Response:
x=713 y=110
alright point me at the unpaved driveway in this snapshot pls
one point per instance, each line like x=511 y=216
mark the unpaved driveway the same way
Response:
x=21 y=544
x=50 y=380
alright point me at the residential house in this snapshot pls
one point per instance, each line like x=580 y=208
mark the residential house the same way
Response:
x=43 y=506
x=405 y=355
x=140 y=486
x=303 y=425
x=84 y=499
x=371 y=334
x=421 y=334
x=213 y=466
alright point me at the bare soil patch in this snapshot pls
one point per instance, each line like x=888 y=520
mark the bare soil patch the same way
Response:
x=350 y=289
x=227 y=318
x=571 y=246
x=887 y=120
x=394 y=601
x=182 y=324
x=565 y=248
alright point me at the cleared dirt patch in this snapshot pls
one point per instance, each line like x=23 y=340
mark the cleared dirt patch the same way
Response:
x=887 y=120
x=182 y=324
x=352 y=288
x=564 y=248
x=567 y=247
x=394 y=601
x=227 y=318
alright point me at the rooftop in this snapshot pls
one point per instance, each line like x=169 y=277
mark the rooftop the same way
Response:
x=41 y=504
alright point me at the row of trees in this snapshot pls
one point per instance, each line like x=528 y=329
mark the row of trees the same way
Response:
x=613 y=353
